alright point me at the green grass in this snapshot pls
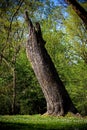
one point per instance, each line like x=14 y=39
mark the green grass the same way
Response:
x=38 y=122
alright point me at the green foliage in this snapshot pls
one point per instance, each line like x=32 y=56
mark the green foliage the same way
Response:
x=28 y=92
x=5 y=104
x=12 y=57
x=77 y=53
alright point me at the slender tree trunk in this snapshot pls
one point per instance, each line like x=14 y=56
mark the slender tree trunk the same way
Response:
x=57 y=98
x=14 y=85
x=14 y=91
x=81 y=12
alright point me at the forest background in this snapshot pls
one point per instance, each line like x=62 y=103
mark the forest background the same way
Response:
x=66 y=42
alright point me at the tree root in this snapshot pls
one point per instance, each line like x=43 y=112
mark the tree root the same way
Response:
x=69 y=114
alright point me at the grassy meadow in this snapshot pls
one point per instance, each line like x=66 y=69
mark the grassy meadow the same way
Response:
x=39 y=122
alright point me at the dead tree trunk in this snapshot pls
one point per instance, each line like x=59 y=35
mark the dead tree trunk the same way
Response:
x=57 y=98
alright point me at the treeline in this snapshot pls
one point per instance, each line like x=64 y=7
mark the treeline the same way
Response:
x=66 y=42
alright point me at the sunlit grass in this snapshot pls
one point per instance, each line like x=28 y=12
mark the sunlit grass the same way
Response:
x=36 y=122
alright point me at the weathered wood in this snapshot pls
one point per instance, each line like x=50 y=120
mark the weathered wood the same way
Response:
x=57 y=98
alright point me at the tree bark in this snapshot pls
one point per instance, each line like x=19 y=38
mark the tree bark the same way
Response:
x=81 y=12
x=57 y=98
x=14 y=92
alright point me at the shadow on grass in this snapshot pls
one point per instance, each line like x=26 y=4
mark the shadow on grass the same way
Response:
x=22 y=126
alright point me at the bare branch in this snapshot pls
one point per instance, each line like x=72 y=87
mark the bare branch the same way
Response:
x=9 y=30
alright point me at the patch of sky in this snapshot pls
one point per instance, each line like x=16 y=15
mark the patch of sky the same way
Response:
x=82 y=1
x=59 y=3
x=64 y=12
x=63 y=3
x=21 y=18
